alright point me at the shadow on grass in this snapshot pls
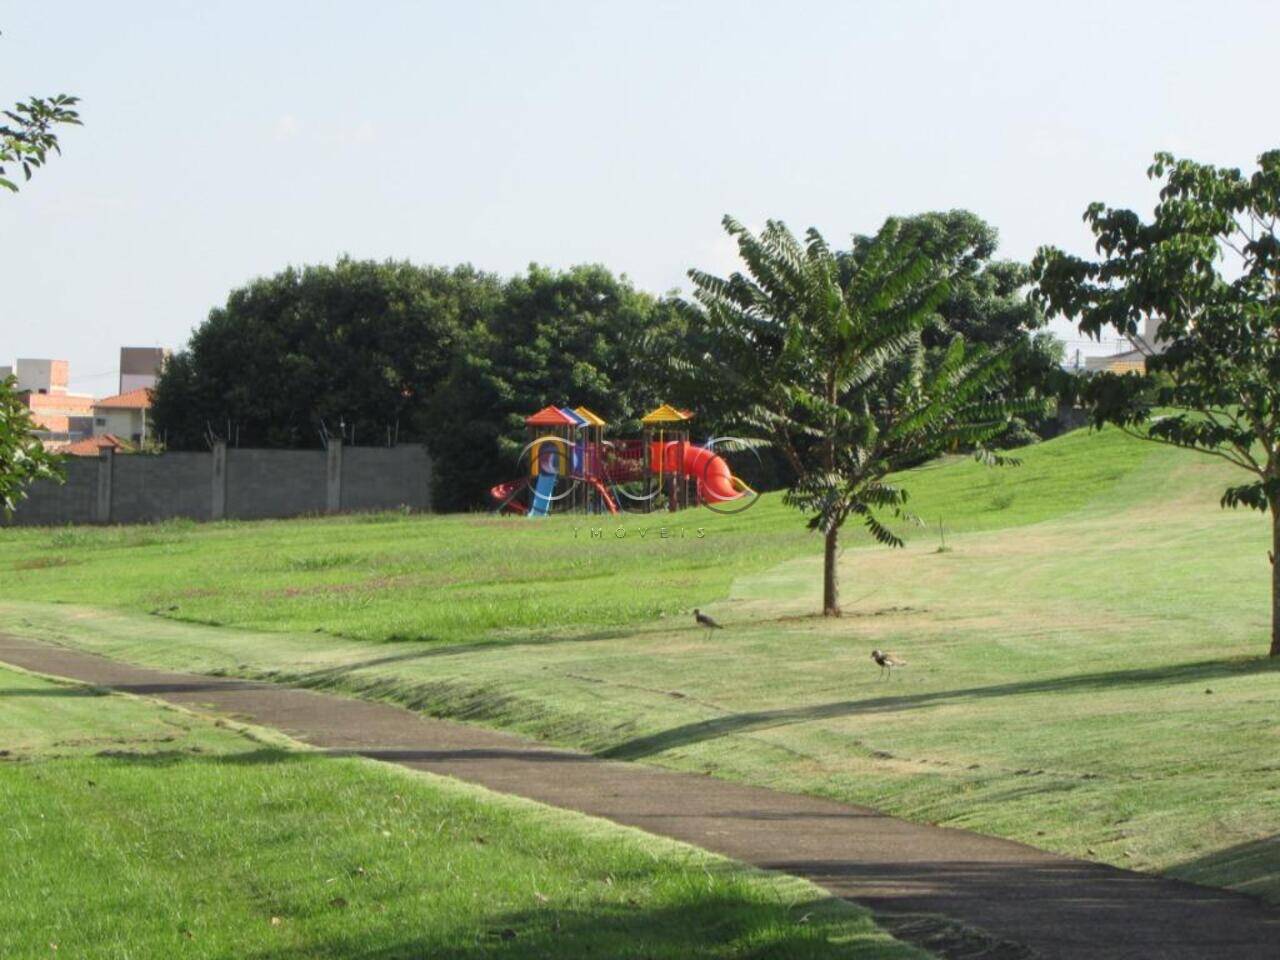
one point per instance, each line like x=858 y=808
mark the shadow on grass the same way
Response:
x=1252 y=868
x=326 y=675
x=690 y=733
x=720 y=924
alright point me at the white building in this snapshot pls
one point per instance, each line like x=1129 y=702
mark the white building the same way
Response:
x=124 y=415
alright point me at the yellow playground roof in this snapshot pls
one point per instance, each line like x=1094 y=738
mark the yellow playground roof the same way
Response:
x=591 y=417
x=666 y=414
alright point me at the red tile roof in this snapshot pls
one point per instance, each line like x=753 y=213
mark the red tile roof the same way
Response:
x=93 y=446
x=550 y=417
x=139 y=399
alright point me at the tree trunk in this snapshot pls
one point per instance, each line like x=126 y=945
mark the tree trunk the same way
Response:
x=1275 y=577
x=831 y=576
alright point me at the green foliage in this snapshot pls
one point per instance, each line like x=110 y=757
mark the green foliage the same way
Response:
x=1207 y=268
x=23 y=458
x=580 y=336
x=826 y=357
x=986 y=303
x=28 y=137
x=354 y=349
x=377 y=351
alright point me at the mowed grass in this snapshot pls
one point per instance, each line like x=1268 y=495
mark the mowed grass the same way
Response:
x=132 y=830
x=1086 y=668
x=479 y=578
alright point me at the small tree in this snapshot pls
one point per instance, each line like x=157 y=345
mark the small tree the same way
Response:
x=836 y=375
x=1206 y=269
x=23 y=458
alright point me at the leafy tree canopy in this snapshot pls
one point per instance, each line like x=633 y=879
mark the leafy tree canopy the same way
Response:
x=28 y=136
x=986 y=303
x=353 y=349
x=578 y=336
x=453 y=358
x=1206 y=270
x=825 y=356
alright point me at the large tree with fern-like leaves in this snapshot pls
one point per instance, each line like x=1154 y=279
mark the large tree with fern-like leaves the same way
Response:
x=830 y=366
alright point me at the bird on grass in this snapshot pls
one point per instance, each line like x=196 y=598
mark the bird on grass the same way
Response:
x=704 y=621
x=886 y=662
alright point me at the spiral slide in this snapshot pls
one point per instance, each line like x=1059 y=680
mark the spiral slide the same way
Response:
x=504 y=495
x=716 y=484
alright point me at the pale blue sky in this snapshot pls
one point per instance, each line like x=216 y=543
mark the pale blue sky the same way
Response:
x=225 y=140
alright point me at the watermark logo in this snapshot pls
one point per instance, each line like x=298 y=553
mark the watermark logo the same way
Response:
x=624 y=532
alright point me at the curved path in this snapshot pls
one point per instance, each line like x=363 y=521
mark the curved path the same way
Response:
x=1024 y=902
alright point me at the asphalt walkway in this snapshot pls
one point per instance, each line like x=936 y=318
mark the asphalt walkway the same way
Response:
x=1025 y=902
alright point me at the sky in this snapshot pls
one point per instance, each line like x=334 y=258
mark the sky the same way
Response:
x=225 y=140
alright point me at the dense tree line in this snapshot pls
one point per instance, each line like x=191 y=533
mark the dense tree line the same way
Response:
x=393 y=352
x=455 y=358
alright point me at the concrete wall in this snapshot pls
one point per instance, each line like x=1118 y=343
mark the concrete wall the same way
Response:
x=72 y=502
x=374 y=476
x=275 y=483
x=145 y=489
x=235 y=484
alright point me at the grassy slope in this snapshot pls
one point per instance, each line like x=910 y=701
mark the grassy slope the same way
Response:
x=1060 y=652
x=478 y=578
x=134 y=830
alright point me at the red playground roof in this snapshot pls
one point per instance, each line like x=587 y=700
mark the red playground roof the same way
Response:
x=550 y=417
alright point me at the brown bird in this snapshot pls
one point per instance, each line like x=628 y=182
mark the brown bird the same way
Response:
x=704 y=621
x=886 y=662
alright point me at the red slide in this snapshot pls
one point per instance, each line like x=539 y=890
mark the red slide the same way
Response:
x=604 y=494
x=715 y=481
x=502 y=491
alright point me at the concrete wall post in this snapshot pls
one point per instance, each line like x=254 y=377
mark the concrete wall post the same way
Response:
x=102 y=502
x=333 y=478
x=218 y=503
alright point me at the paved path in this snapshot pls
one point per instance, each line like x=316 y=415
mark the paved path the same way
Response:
x=1027 y=902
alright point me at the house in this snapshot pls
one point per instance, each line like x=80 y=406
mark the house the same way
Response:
x=124 y=415
x=58 y=415
x=1143 y=345
x=93 y=446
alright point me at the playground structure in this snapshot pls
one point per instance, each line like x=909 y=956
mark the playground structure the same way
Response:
x=572 y=467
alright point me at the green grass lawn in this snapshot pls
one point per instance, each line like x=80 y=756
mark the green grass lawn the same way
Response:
x=134 y=830
x=478 y=578
x=1085 y=661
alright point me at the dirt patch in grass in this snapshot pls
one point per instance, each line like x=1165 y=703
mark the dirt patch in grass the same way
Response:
x=44 y=563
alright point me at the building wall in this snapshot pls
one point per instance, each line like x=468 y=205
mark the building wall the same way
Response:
x=44 y=376
x=124 y=423
x=56 y=411
x=140 y=366
x=255 y=484
x=136 y=381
